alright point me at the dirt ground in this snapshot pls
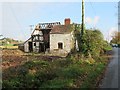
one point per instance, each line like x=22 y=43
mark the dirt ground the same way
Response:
x=12 y=52
x=14 y=57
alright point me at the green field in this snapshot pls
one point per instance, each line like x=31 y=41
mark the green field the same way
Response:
x=9 y=46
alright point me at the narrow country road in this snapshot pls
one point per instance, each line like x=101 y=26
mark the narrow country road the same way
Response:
x=111 y=76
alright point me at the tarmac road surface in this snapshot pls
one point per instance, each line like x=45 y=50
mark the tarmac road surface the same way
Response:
x=111 y=76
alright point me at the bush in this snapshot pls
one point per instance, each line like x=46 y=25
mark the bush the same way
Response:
x=91 y=79
x=63 y=62
x=92 y=42
x=29 y=80
x=106 y=46
x=71 y=72
x=58 y=83
x=12 y=83
x=35 y=63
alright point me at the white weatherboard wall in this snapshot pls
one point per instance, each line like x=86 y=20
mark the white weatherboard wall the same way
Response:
x=66 y=39
x=26 y=47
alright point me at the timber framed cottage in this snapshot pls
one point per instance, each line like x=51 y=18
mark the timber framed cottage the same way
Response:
x=52 y=37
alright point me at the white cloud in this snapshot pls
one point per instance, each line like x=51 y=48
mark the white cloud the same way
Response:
x=88 y=20
x=108 y=35
x=112 y=30
x=92 y=21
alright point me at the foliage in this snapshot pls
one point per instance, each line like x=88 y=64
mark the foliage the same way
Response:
x=115 y=38
x=92 y=42
x=73 y=72
x=92 y=76
x=58 y=83
x=9 y=42
x=77 y=33
x=106 y=46
x=36 y=64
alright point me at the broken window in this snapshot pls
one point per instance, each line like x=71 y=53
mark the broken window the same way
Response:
x=34 y=44
x=60 y=45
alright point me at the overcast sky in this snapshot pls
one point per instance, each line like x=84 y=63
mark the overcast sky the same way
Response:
x=17 y=16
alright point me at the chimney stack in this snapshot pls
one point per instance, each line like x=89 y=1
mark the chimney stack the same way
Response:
x=67 y=21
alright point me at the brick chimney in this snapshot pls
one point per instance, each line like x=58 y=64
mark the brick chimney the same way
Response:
x=67 y=21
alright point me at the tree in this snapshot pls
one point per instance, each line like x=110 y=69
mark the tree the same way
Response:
x=77 y=35
x=92 y=43
x=115 y=38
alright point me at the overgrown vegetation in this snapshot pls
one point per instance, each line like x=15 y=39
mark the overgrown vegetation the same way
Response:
x=92 y=43
x=61 y=73
x=81 y=69
x=116 y=38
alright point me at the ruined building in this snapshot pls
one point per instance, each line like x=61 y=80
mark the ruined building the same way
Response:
x=52 y=38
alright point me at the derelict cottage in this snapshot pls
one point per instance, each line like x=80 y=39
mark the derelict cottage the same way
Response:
x=52 y=38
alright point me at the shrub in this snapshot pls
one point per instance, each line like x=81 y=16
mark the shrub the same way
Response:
x=106 y=47
x=58 y=83
x=92 y=42
x=12 y=83
x=91 y=79
x=29 y=80
x=71 y=72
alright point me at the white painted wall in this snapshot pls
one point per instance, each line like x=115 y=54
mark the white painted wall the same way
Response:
x=26 y=47
x=66 y=39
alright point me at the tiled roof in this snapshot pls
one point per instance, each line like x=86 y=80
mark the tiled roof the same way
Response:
x=61 y=29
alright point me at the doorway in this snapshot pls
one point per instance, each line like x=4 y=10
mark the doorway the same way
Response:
x=41 y=47
x=60 y=45
x=30 y=46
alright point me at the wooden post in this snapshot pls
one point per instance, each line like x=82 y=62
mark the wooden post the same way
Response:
x=83 y=29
